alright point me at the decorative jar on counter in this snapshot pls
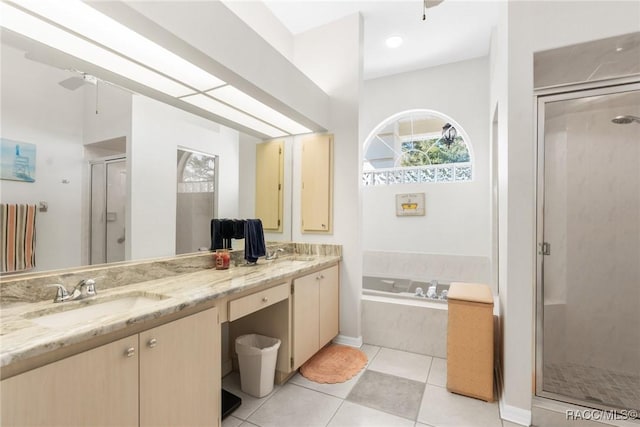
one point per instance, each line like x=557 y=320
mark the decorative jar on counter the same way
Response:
x=222 y=258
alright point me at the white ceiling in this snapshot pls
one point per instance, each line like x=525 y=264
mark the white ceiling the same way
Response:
x=455 y=30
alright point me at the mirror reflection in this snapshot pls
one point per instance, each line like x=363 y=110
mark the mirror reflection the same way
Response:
x=106 y=167
x=195 y=200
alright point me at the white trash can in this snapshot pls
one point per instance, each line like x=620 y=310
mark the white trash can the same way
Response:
x=257 y=356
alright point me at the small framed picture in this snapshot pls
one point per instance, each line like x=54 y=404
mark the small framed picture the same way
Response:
x=18 y=160
x=411 y=204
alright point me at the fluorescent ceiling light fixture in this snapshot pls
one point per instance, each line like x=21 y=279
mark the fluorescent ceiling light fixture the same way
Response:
x=90 y=23
x=393 y=41
x=40 y=31
x=246 y=103
x=229 y=113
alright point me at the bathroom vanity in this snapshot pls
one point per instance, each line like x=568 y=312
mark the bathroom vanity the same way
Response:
x=156 y=357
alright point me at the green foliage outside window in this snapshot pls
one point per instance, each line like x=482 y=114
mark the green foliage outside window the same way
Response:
x=434 y=152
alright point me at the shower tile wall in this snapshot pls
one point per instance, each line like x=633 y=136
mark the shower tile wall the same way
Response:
x=447 y=268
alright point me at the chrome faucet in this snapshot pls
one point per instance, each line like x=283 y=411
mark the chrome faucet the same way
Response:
x=84 y=289
x=274 y=254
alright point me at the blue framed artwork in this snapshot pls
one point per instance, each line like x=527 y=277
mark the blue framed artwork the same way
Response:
x=17 y=160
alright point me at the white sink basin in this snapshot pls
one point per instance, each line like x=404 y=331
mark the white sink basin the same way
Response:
x=290 y=262
x=92 y=310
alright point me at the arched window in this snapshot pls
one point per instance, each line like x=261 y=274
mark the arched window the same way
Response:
x=196 y=172
x=417 y=146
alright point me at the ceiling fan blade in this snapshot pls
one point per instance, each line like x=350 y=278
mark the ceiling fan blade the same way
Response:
x=72 y=83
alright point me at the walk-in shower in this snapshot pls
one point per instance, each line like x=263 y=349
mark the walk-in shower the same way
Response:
x=588 y=329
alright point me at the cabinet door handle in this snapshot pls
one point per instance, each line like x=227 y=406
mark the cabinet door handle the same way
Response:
x=152 y=343
x=130 y=352
x=265 y=299
x=322 y=276
x=317 y=277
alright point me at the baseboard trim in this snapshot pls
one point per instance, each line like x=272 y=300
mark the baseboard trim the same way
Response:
x=514 y=414
x=350 y=341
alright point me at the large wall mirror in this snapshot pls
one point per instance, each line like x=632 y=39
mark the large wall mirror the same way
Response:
x=78 y=122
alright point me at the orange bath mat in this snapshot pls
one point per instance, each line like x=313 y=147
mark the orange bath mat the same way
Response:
x=334 y=364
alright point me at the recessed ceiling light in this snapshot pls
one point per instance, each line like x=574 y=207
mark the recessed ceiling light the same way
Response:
x=394 y=41
x=619 y=49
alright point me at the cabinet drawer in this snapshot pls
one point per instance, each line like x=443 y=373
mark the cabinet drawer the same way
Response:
x=254 y=302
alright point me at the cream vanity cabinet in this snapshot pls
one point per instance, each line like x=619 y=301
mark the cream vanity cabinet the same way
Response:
x=317 y=184
x=168 y=375
x=316 y=304
x=99 y=386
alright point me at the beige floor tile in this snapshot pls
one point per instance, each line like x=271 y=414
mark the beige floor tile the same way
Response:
x=509 y=424
x=371 y=351
x=294 y=406
x=443 y=409
x=438 y=372
x=231 y=421
x=401 y=364
x=231 y=383
x=353 y=415
x=340 y=390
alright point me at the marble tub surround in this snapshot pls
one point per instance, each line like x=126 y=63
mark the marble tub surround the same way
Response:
x=415 y=326
x=32 y=287
x=423 y=266
x=21 y=338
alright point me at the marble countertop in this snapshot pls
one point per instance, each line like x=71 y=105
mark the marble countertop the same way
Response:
x=22 y=338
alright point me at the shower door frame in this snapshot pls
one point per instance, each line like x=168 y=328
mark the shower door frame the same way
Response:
x=542 y=97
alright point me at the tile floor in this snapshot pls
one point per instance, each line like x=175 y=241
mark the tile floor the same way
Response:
x=396 y=388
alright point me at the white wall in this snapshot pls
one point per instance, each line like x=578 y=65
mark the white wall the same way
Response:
x=261 y=19
x=157 y=131
x=107 y=117
x=35 y=109
x=247 y=178
x=331 y=56
x=457 y=218
x=530 y=26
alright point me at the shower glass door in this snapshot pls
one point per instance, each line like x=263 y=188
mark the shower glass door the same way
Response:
x=588 y=342
x=108 y=207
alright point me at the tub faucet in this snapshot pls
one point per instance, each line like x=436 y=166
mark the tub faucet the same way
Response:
x=274 y=254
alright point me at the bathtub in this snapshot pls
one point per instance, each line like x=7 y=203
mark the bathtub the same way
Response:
x=404 y=288
x=394 y=317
